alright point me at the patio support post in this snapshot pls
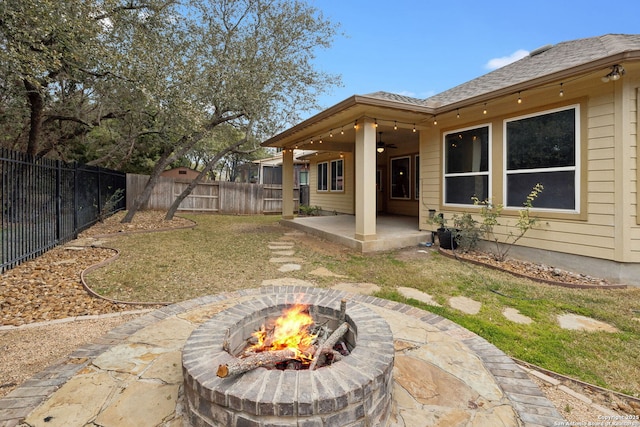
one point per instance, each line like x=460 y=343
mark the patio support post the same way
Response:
x=365 y=174
x=287 y=183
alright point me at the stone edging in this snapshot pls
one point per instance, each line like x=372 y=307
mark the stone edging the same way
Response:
x=111 y=300
x=524 y=276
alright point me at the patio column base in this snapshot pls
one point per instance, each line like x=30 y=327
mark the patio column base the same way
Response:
x=288 y=216
x=365 y=237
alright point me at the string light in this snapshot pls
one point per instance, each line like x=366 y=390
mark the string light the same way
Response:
x=435 y=120
x=375 y=122
x=331 y=133
x=484 y=111
x=355 y=124
x=414 y=128
x=519 y=98
x=395 y=125
x=561 y=90
x=457 y=113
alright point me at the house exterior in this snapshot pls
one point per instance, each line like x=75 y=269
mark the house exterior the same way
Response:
x=268 y=171
x=566 y=116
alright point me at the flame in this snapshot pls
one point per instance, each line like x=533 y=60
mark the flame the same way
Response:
x=290 y=331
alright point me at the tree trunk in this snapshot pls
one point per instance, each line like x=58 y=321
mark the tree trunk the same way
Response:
x=176 y=203
x=36 y=105
x=185 y=144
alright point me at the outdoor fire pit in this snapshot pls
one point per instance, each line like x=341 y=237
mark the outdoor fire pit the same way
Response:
x=348 y=391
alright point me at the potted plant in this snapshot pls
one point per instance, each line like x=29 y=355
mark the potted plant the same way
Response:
x=446 y=236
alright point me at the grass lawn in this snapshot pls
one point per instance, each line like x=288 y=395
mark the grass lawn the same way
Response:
x=231 y=252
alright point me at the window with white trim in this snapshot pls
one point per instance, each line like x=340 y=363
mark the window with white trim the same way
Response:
x=322 y=176
x=337 y=175
x=466 y=165
x=543 y=148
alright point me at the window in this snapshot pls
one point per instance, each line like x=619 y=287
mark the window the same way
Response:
x=466 y=165
x=304 y=177
x=400 y=178
x=337 y=175
x=322 y=176
x=543 y=148
x=182 y=172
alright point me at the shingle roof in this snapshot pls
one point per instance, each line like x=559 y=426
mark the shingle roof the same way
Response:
x=539 y=63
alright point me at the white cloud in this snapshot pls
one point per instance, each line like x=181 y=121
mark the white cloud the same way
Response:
x=506 y=60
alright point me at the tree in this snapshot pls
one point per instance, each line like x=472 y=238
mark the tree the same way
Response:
x=58 y=57
x=137 y=84
x=254 y=65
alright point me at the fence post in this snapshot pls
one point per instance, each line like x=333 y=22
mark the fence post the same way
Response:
x=99 y=192
x=75 y=199
x=58 y=201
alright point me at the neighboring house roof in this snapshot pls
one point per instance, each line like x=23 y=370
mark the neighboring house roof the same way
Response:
x=545 y=61
x=277 y=159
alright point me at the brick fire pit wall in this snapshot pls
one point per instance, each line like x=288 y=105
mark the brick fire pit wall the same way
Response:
x=355 y=391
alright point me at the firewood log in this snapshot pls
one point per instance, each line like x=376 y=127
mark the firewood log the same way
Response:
x=327 y=346
x=254 y=361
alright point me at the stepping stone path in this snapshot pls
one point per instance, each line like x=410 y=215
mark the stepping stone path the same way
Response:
x=515 y=316
x=418 y=295
x=466 y=305
x=283 y=254
x=357 y=288
x=577 y=322
x=324 y=272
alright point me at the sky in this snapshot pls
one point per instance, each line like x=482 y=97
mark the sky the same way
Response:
x=420 y=48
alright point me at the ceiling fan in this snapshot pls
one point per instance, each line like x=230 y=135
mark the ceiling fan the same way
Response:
x=380 y=146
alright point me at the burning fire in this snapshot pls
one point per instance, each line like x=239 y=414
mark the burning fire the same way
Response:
x=289 y=331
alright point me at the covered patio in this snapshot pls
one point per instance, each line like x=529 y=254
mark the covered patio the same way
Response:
x=392 y=231
x=350 y=134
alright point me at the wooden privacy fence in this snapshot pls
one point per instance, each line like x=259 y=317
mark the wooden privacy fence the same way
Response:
x=212 y=196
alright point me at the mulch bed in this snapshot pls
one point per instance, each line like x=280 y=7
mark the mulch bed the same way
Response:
x=538 y=272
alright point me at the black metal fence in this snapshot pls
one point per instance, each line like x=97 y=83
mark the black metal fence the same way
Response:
x=48 y=202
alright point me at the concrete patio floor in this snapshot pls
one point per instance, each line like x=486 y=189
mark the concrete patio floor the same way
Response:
x=392 y=231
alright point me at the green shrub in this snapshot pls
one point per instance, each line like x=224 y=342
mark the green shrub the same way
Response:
x=490 y=214
x=466 y=231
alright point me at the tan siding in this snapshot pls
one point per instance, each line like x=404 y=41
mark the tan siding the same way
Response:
x=601 y=153
x=602 y=209
x=594 y=231
x=330 y=201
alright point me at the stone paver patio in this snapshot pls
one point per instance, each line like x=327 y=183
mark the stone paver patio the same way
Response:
x=444 y=375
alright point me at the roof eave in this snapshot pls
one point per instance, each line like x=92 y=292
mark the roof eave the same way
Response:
x=352 y=101
x=543 y=80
